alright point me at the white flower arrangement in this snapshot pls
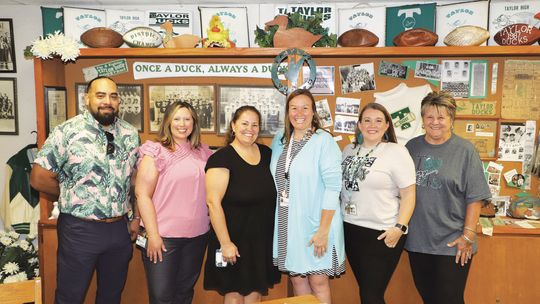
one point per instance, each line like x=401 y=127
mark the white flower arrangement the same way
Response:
x=56 y=44
x=18 y=258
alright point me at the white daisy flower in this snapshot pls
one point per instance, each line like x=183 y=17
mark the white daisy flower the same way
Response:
x=24 y=245
x=10 y=268
x=6 y=240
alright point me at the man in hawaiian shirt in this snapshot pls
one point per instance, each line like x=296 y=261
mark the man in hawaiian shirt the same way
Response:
x=88 y=163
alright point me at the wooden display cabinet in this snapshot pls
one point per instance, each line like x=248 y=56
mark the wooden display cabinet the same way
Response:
x=504 y=269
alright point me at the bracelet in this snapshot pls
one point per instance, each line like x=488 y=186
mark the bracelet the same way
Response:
x=469 y=229
x=136 y=218
x=468 y=240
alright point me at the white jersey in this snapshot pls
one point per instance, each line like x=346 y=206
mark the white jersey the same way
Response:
x=403 y=103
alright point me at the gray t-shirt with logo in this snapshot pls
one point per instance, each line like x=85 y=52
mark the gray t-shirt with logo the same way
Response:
x=448 y=178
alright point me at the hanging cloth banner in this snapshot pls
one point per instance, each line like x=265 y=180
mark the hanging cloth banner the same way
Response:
x=145 y=70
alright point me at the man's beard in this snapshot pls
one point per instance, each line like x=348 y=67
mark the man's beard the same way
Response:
x=104 y=119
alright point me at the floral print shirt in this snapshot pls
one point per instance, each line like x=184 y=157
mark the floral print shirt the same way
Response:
x=93 y=185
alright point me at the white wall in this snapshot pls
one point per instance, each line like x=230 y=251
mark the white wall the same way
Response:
x=26 y=28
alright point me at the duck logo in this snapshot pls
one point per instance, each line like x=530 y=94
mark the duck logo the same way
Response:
x=296 y=59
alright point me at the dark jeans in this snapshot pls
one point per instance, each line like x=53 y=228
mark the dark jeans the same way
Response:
x=438 y=278
x=372 y=262
x=84 y=246
x=172 y=280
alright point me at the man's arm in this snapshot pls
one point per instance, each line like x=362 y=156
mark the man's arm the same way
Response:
x=45 y=181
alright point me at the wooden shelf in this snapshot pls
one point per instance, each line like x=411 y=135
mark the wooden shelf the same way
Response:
x=435 y=51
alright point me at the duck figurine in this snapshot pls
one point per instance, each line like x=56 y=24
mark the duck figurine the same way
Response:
x=291 y=38
x=181 y=41
x=218 y=35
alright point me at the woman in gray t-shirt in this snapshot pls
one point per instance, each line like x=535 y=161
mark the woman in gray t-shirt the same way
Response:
x=450 y=186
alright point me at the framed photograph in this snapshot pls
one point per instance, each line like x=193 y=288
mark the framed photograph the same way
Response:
x=201 y=97
x=7 y=47
x=131 y=103
x=55 y=107
x=269 y=101
x=80 y=91
x=9 y=121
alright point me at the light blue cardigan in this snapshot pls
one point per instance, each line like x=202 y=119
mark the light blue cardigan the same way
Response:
x=315 y=184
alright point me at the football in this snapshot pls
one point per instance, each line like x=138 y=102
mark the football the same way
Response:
x=142 y=37
x=467 y=35
x=102 y=37
x=517 y=34
x=358 y=37
x=416 y=37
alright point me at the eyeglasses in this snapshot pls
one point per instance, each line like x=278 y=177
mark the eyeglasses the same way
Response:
x=110 y=140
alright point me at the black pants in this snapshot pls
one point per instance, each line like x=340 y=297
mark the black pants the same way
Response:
x=438 y=278
x=372 y=262
x=84 y=246
x=172 y=280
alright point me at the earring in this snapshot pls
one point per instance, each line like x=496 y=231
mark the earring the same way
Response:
x=386 y=137
x=359 y=138
x=423 y=126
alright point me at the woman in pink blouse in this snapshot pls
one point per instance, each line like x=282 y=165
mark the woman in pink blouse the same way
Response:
x=171 y=195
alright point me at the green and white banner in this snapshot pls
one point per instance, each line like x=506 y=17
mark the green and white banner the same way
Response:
x=145 y=70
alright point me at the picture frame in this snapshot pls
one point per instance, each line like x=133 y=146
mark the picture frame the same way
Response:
x=201 y=97
x=8 y=63
x=55 y=107
x=131 y=103
x=9 y=117
x=269 y=101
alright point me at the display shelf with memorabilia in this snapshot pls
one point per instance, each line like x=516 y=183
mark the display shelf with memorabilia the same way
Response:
x=144 y=64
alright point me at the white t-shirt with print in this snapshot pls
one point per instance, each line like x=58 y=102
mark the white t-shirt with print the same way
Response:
x=386 y=170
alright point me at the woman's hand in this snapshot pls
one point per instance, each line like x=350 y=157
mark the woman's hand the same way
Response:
x=464 y=250
x=391 y=236
x=319 y=242
x=154 y=247
x=229 y=252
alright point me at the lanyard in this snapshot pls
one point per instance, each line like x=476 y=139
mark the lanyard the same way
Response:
x=288 y=159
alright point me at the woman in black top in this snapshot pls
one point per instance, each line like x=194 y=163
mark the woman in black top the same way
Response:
x=241 y=199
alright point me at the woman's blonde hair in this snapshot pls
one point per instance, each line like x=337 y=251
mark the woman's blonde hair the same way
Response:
x=439 y=100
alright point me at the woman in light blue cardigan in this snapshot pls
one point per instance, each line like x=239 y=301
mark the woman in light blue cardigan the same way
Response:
x=308 y=235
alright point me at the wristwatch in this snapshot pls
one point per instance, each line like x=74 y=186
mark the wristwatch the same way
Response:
x=401 y=227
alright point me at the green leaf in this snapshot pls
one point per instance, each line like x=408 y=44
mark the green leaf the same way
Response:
x=265 y=38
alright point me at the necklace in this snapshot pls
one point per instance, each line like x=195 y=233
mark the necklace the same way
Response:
x=370 y=151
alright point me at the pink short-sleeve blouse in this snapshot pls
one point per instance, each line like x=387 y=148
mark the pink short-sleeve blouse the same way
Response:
x=180 y=197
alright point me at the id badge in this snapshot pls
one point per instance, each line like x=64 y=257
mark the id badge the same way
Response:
x=141 y=241
x=219 y=259
x=350 y=208
x=141 y=238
